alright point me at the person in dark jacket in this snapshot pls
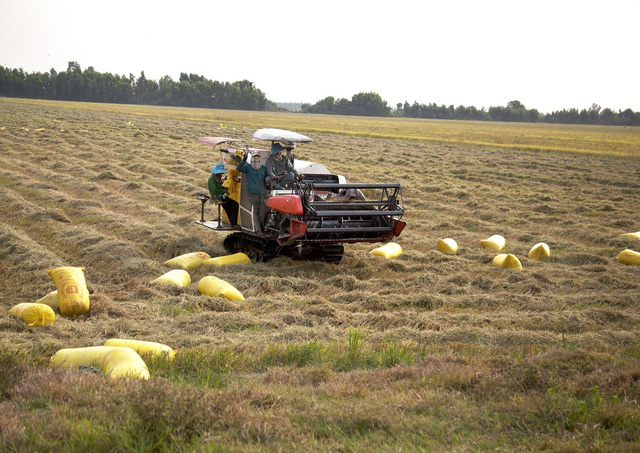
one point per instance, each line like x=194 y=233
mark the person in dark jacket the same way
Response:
x=280 y=170
x=255 y=174
x=220 y=194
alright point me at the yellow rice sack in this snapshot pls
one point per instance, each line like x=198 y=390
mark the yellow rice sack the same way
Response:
x=143 y=347
x=175 y=277
x=114 y=361
x=232 y=183
x=34 y=314
x=633 y=235
x=508 y=261
x=447 y=245
x=539 y=251
x=72 y=290
x=237 y=258
x=629 y=257
x=495 y=242
x=388 y=251
x=50 y=299
x=214 y=287
x=187 y=261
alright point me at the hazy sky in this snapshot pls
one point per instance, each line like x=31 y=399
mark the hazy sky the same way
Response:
x=548 y=55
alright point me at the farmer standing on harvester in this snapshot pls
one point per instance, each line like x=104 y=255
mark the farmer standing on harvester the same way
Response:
x=255 y=183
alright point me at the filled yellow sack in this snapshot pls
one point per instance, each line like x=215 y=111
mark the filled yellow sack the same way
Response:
x=114 y=361
x=447 y=245
x=237 y=258
x=213 y=286
x=633 y=235
x=508 y=261
x=175 y=277
x=72 y=290
x=34 y=314
x=539 y=251
x=50 y=299
x=495 y=242
x=388 y=251
x=143 y=347
x=629 y=257
x=232 y=183
x=187 y=261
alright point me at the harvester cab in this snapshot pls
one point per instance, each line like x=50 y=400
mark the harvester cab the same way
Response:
x=311 y=217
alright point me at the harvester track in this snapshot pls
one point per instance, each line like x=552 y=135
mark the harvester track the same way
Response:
x=258 y=249
x=263 y=250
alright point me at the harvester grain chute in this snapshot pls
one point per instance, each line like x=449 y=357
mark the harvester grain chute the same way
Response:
x=314 y=216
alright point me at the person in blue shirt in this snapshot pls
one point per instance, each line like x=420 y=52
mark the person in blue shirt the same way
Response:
x=255 y=174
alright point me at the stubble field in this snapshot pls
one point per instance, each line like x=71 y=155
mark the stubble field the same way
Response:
x=423 y=352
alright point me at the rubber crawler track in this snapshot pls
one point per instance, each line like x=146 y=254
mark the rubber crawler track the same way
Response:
x=263 y=250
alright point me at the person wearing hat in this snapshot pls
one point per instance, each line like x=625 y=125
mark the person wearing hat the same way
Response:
x=280 y=171
x=254 y=179
x=220 y=194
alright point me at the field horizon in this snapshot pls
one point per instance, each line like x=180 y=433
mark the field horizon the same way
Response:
x=424 y=352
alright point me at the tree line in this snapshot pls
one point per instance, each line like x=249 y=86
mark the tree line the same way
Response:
x=193 y=90
x=371 y=104
x=74 y=84
x=361 y=104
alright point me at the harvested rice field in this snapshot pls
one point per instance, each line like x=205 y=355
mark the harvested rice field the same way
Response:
x=423 y=352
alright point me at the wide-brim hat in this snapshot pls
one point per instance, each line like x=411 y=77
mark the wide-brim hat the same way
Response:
x=218 y=168
x=275 y=148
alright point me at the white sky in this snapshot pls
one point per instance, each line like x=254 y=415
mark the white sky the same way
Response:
x=548 y=54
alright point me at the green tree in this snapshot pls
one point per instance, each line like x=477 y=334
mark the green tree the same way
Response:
x=369 y=104
x=326 y=105
x=516 y=105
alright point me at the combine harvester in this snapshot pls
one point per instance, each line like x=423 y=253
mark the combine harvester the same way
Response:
x=314 y=217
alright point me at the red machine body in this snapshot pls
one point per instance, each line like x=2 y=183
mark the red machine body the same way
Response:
x=286 y=204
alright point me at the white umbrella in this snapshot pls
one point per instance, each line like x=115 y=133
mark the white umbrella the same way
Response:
x=280 y=135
